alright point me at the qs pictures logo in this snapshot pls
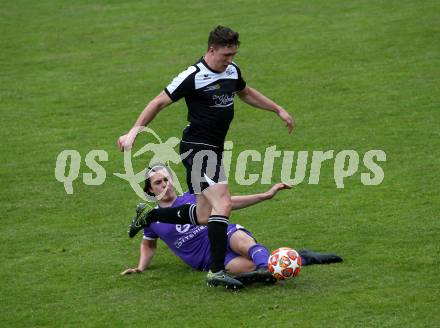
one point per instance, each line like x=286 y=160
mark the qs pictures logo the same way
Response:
x=252 y=166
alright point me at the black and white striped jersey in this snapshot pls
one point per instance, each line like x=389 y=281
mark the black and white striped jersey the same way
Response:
x=209 y=96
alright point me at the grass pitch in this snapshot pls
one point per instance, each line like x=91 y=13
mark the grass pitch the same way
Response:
x=356 y=75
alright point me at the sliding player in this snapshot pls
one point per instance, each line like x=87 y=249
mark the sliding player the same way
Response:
x=245 y=258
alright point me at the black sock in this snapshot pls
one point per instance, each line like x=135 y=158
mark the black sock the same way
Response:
x=177 y=215
x=217 y=228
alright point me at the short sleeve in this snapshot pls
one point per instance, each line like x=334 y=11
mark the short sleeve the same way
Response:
x=241 y=83
x=182 y=84
x=149 y=234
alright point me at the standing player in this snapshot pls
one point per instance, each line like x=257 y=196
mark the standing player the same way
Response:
x=245 y=258
x=209 y=87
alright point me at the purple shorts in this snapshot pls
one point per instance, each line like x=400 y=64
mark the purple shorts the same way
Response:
x=230 y=254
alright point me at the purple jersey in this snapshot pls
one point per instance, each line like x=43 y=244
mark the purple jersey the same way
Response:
x=189 y=242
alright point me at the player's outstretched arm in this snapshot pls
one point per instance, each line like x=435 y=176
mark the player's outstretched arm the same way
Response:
x=239 y=202
x=256 y=99
x=147 y=251
x=161 y=101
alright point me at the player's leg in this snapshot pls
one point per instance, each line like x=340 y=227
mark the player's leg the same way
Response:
x=242 y=242
x=145 y=215
x=219 y=198
x=203 y=209
x=208 y=178
x=239 y=265
x=187 y=213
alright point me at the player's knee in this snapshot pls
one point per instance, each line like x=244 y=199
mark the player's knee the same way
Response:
x=220 y=200
x=224 y=206
x=227 y=205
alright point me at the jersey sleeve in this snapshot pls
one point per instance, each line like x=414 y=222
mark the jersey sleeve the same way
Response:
x=241 y=83
x=149 y=234
x=182 y=85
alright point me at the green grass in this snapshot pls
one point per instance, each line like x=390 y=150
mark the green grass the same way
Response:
x=356 y=75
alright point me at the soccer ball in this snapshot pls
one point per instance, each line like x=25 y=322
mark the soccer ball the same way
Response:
x=284 y=263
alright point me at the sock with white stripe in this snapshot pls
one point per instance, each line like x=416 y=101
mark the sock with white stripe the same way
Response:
x=177 y=215
x=259 y=255
x=218 y=238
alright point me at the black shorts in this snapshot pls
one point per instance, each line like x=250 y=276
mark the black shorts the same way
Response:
x=203 y=165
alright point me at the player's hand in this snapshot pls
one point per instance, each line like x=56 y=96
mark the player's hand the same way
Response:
x=130 y=271
x=285 y=116
x=126 y=141
x=277 y=187
x=121 y=142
